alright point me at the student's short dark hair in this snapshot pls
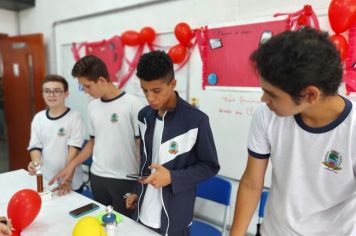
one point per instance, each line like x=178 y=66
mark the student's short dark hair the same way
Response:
x=294 y=60
x=56 y=78
x=155 y=65
x=90 y=67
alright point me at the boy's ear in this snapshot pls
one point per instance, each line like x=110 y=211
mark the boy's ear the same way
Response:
x=311 y=94
x=102 y=79
x=174 y=83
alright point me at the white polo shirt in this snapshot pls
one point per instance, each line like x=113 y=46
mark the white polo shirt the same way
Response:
x=53 y=136
x=313 y=189
x=114 y=125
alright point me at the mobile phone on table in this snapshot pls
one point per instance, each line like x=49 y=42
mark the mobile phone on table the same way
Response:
x=137 y=176
x=84 y=210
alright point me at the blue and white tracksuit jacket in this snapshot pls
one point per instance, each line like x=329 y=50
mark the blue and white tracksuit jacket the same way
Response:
x=188 y=151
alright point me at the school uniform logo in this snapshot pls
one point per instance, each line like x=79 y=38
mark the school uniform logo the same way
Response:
x=332 y=161
x=173 y=147
x=114 y=118
x=61 y=132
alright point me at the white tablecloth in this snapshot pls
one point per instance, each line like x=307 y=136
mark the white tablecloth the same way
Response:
x=53 y=218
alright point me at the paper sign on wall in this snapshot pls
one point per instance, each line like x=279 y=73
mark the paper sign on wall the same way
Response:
x=226 y=56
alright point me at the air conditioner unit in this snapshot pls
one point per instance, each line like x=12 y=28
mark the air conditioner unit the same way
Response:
x=16 y=5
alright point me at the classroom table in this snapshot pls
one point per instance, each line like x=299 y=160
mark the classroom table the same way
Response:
x=53 y=218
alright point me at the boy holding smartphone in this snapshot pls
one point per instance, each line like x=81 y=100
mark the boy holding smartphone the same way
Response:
x=177 y=150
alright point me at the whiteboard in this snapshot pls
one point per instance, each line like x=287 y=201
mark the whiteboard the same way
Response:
x=230 y=131
x=133 y=85
x=78 y=100
x=230 y=114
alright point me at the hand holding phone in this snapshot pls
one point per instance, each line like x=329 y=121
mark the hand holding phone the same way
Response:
x=131 y=201
x=137 y=176
x=84 y=210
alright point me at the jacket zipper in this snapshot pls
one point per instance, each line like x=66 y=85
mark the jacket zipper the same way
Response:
x=164 y=207
x=141 y=171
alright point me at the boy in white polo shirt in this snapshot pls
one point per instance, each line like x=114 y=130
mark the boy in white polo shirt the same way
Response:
x=57 y=134
x=308 y=132
x=113 y=129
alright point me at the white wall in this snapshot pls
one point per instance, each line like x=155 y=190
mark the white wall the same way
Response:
x=161 y=16
x=8 y=22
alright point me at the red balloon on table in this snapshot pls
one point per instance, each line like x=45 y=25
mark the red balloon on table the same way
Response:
x=16 y=233
x=183 y=33
x=23 y=208
x=177 y=53
x=130 y=38
x=341 y=44
x=147 y=35
x=342 y=14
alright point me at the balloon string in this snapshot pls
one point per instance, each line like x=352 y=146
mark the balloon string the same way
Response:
x=76 y=50
x=202 y=39
x=132 y=66
x=292 y=22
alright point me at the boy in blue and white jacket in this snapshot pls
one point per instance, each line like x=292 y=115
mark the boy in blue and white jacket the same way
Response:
x=177 y=151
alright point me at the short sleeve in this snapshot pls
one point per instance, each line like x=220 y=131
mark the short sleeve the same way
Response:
x=77 y=131
x=137 y=106
x=258 y=144
x=35 y=140
x=90 y=122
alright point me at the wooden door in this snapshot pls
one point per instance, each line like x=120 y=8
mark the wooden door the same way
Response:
x=23 y=59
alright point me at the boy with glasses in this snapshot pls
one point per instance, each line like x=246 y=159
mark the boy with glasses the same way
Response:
x=57 y=134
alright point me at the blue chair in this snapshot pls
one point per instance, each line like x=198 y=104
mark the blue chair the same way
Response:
x=87 y=163
x=218 y=190
x=87 y=192
x=85 y=186
x=261 y=211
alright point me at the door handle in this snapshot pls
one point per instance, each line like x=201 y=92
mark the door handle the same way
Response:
x=1 y=66
x=31 y=81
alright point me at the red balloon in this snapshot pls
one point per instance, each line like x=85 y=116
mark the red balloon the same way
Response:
x=177 y=53
x=147 y=35
x=23 y=208
x=341 y=44
x=130 y=38
x=16 y=233
x=183 y=33
x=341 y=14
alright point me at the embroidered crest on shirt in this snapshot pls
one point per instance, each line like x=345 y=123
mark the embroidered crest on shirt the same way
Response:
x=61 y=132
x=173 y=147
x=114 y=118
x=332 y=161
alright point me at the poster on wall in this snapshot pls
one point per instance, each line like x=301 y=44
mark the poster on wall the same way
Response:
x=226 y=55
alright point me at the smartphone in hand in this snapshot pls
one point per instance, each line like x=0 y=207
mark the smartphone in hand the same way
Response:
x=137 y=176
x=83 y=210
